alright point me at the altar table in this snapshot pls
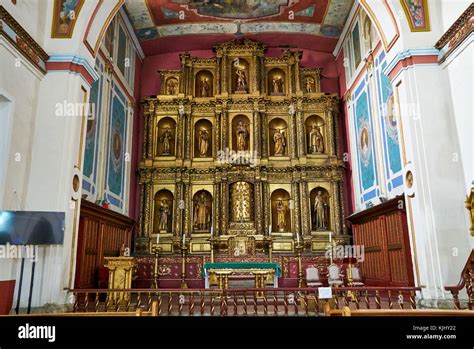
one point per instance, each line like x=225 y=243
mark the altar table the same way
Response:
x=260 y=271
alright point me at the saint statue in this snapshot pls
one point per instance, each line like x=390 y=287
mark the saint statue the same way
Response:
x=280 y=143
x=309 y=85
x=204 y=87
x=316 y=141
x=203 y=143
x=319 y=211
x=281 y=215
x=163 y=215
x=200 y=213
x=171 y=87
x=241 y=80
x=242 y=134
x=166 y=141
x=277 y=85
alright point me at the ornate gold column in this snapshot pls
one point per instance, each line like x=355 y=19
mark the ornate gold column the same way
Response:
x=225 y=88
x=264 y=123
x=297 y=56
x=188 y=143
x=295 y=195
x=341 y=211
x=266 y=206
x=147 y=217
x=178 y=228
x=218 y=74
x=257 y=133
x=146 y=122
x=179 y=137
x=300 y=129
x=263 y=80
x=188 y=208
x=293 y=136
x=216 y=204
x=258 y=206
x=305 y=212
x=336 y=214
x=225 y=128
x=224 y=206
x=150 y=128
x=254 y=78
x=141 y=206
x=217 y=142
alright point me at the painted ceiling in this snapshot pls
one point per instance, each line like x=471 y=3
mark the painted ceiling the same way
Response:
x=284 y=22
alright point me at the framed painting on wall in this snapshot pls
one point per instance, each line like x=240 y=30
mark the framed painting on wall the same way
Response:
x=417 y=14
x=65 y=16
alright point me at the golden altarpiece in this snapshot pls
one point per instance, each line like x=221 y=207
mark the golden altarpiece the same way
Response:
x=241 y=150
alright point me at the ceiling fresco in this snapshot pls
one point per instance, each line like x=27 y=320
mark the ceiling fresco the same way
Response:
x=159 y=19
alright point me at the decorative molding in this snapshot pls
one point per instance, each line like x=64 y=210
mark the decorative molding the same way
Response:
x=457 y=33
x=74 y=64
x=408 y=58
x=22 y=41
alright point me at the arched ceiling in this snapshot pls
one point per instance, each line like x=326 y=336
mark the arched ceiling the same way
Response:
x=176 y=25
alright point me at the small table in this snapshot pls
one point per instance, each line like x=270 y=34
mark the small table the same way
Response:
x=260 y=271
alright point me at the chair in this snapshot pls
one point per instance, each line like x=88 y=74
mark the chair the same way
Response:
x=334 y=276
x=355 y=276
x=312 y=277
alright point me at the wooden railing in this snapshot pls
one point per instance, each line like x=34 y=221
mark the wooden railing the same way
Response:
x=346 y=311
x=467 y=282
x=240 y=302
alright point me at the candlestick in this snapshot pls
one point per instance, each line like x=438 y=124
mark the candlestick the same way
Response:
x=298 y=238
x=157 y=238
x=184 y=239
x=269 y=230
x=212 y=230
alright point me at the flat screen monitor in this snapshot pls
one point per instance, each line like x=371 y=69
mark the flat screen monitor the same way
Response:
x=31 y=228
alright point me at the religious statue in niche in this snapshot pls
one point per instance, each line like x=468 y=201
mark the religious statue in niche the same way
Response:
x=164 y=212
x=171 y=86
x=201 y=215
x=203 y=142
x=316 y=140
x=204 y=87
x=281 y=209
x=242 y=134
x=309 y=84
x=241 y=80
x=277 y=85
x=280 y=142
x=320 y=207
x=165 y=140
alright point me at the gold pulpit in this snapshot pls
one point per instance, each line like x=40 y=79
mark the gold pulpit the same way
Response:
x=120 y=276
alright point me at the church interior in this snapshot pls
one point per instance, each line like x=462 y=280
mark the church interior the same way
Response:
x=233 y=158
